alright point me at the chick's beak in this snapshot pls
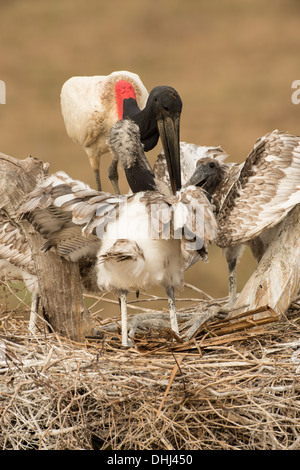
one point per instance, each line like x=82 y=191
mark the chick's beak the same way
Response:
x=196 y=177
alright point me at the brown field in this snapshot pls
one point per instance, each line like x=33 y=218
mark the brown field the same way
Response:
x=233 y=63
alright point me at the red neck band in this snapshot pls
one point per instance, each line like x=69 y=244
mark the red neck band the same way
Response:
x=123 y=90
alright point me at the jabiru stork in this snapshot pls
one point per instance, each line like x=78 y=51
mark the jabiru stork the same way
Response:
x=142 y=233
x=252 y=198
x=91 y=105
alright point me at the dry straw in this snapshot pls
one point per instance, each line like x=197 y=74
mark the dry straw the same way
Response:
x=234 y=385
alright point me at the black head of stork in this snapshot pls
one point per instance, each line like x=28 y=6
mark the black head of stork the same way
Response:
x=160 y=118
x=207 y=175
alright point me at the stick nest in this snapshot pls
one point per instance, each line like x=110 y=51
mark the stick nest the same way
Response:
x=233 y=385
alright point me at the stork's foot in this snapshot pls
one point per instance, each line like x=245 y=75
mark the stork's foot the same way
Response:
x=194 y=324
x=127 y=344
x=145 y=321
x=222 y=313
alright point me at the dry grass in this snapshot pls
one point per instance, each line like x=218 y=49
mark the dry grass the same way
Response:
x=235 y=385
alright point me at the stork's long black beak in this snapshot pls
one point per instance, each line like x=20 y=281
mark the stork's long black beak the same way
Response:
x=169 y=130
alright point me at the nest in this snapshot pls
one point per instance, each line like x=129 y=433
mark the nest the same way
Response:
x=234 y=385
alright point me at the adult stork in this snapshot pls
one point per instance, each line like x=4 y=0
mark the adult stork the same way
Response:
x=91 y=105
x=141 y=233
x=252 y=198
x=159 y=118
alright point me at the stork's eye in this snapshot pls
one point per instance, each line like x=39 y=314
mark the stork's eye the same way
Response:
x=212 y=165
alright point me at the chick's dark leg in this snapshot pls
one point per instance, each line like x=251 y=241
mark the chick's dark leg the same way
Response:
x=114 y=176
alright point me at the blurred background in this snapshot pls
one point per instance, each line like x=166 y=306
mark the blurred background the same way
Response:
x=233 y=63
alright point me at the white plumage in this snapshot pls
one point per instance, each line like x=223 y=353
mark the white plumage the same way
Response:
x=90 y=107
x=138 y=261
x=138 y=232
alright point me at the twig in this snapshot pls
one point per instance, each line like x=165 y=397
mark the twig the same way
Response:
x=190 y=286
x=173 y=374
x=115 y=302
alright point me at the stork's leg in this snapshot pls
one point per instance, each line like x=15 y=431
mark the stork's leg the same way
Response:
x=34 y=312
x=172 y=308
x=98 y=180
x=95 y=164
x=232 y=254
x=124 y=323
x=232 y=282
x=114 y=175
